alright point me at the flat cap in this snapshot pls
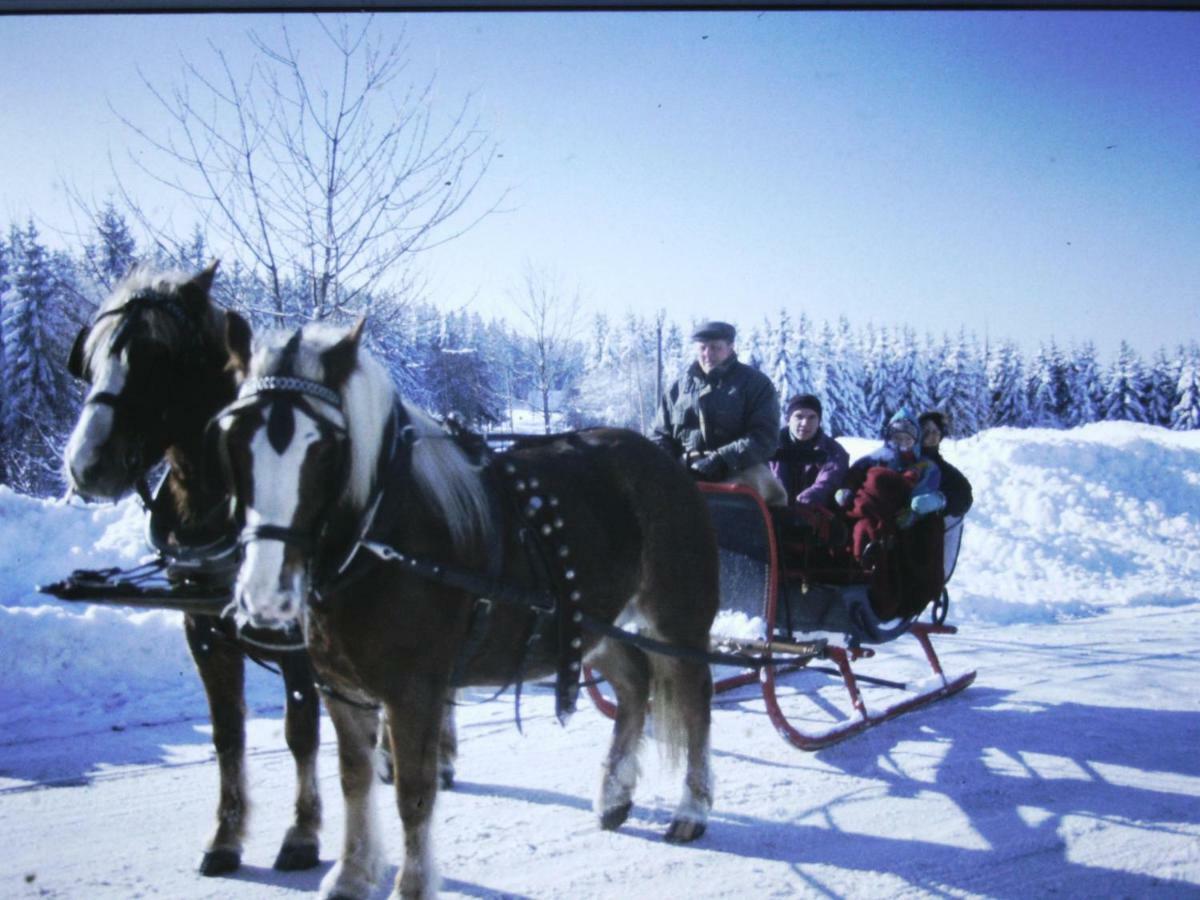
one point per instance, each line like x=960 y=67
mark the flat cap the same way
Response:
x=714 y=331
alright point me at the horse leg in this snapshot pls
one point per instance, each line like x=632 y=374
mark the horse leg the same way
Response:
x=302 y=724
x=447 y=749
x=628 y=671
x=447 y=744
x=221 y=667
x=417 y=719
x=361 y=864
x=682 y=698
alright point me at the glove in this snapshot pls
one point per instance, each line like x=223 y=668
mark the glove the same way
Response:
x=924 y=504
x=843 y=497
x=709 y=468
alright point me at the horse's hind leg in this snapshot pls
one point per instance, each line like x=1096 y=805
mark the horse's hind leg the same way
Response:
x=628 y=671
x=221 y=667
x=447 y=749
x=361 y=864
x=417 y=724
x=302 y=718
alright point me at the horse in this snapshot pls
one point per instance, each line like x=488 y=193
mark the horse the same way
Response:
x=399 y=547
x=156 y=356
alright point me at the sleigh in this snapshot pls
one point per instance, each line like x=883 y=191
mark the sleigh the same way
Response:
x=814 y=615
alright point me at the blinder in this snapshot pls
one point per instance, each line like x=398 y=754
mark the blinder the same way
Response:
x=75 y=359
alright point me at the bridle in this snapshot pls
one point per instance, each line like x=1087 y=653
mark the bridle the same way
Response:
x=297 y=393
x=131 y=311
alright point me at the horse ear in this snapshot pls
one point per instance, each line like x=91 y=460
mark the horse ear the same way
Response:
x=237 y=340
x=341 y=358
x=75 y=360
x=196 y=291
x=204 y=279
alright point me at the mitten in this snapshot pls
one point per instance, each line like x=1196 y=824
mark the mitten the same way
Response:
x=843 y=497
x=709 y=468
x=923 y=504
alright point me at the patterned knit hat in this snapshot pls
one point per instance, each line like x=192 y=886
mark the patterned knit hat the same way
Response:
x=903 y=422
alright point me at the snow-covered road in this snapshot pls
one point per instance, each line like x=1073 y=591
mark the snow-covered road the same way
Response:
x=1069 y=768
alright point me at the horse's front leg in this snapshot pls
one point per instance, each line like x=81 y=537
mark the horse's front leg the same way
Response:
x=417 y=725
x=361 y=865
x=302 y=718
x=221 y=666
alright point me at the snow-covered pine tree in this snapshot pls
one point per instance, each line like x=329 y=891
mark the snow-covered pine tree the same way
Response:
x=752 y=351
x=114 y=252
x=962 y=386
x=1049 y=395
x=879 y=390
x=676 y=357
x=1160 y=397
x=6 y=266
x=1086 y=389
x=911 y=371
x=1126 y=387
x=806 y=359
x=1008 y=399
x=457 y=376
x=782 y=343
x=845 y=411
x=38 y=390
x=1186 y=414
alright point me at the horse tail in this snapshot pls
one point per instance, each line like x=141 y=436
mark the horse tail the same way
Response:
x=669 y=712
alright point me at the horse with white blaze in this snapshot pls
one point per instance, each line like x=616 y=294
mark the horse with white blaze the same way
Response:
x=416 y=560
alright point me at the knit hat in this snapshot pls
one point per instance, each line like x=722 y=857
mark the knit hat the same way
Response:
x=803 y=401
x=714 y=331
x=903 y=423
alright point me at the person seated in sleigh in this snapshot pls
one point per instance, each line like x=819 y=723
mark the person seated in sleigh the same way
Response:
x=954 y=484
x=811 y=466
x=719 y=419
x=892 y=496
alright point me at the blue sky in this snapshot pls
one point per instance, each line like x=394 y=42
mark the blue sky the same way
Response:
x=1019 y=174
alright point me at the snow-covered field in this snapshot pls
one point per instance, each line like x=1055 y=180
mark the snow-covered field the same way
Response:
x=1070 y=767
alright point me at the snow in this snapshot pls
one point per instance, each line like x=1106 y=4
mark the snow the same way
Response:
x=1069 y=767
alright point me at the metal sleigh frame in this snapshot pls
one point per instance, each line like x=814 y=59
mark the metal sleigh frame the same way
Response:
x=845 y=614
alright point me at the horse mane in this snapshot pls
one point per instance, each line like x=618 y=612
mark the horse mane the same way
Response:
x=167 y=329
x=444 y=476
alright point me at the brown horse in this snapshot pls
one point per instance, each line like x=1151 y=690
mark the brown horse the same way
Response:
x=600 y=525
x=156 y=356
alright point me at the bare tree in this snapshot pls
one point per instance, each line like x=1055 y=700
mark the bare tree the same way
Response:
x=553 y=352
x=322 y=187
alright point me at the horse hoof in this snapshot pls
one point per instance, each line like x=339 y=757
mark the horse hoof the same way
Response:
x=221 y=861
x=295 y=858
x=683 y=831
x=613 y=818
x=446 y=776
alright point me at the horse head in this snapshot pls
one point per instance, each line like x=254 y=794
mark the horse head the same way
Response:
x=303 y=444
x=286 y=445
x=156 y=360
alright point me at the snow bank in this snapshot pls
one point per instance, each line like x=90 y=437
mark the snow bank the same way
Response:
x=1070 y=523
x=1066 y=524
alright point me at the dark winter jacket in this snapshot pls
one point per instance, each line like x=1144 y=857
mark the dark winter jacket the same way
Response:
x=954 y=485
x=733 y=411
x=811 y=471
